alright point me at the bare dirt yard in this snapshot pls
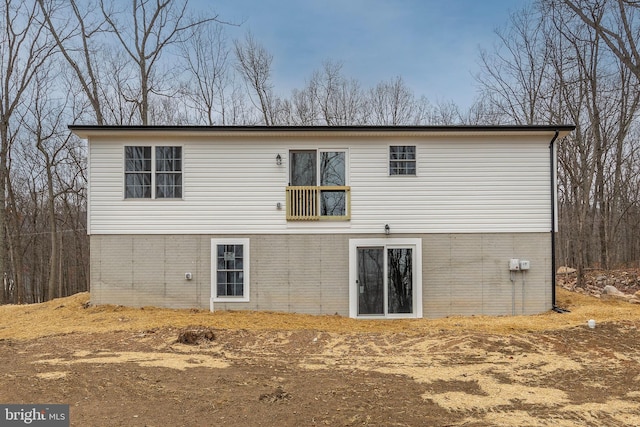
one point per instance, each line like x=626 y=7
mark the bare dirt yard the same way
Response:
x=118 y=366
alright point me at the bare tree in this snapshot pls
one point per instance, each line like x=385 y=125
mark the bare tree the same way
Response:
x=206 y=58
x=24 y=48
x=253 y=62
x=393 y=103
x=304 y=111
x=605 y=113
x=46 y=128
x=445 y=113
x=552 y=68
x=117 y=90
x=340 y=100
x=513 y=76
x=77 y=32
x=145 y=35
x=615 y=22
x=47 y=176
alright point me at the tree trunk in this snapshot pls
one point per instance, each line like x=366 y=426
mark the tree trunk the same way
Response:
x=4 y=145
x=15 y=247
x=53 y=291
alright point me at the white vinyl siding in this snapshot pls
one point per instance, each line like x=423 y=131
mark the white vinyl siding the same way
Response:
x=466 y=184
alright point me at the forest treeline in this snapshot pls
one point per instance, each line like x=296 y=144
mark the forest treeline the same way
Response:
x=161 y=62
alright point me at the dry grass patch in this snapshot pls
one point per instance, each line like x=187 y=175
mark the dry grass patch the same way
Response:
x=145 y=359
x=72 y=314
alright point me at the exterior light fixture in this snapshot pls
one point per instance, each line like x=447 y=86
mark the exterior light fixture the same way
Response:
x=278 y=160
x=387 y=229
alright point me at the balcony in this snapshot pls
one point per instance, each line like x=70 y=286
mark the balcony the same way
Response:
x=314 y=203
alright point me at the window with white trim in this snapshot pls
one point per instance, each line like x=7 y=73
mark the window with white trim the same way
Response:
x=152 y=172
x=402 y=160
x=230 y=270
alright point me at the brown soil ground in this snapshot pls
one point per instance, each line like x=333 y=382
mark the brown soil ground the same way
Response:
x=118 y=366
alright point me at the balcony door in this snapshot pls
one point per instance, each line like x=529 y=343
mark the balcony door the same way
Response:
x=385 y=278
x=318 y=184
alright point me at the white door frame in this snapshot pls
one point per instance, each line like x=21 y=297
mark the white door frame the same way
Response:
x=413 y=243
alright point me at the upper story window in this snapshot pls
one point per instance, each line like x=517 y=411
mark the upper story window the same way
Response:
x=137 y=172
x=168 y=172
x=152 y=172
x=317 y=185
x=402 y=160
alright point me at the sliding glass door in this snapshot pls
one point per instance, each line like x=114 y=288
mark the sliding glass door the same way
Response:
x=385 y=278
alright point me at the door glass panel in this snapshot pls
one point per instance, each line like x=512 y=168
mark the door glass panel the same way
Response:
x=400 y=280
x=370 y=281
x=303 y=168
x=332 y=168
x=333 y=203
x=332 y=172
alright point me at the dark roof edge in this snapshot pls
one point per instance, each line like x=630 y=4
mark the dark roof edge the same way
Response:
x=455 y=128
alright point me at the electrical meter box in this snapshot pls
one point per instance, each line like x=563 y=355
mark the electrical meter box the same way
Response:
x=514 y=264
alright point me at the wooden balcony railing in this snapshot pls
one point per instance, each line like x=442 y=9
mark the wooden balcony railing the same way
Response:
x=313 y=203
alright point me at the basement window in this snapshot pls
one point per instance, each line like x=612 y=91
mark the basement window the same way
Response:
x=230 y=270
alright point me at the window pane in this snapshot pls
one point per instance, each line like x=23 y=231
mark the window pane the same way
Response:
x=228 y=257
x=222 y=283
x=410 y=168
x=168 y=185
x=230 y=275
x=169 y=159
x=137 y=159
x=403 y=168
x=333 y=203
x=303 y=168
x=402 y=152
x=230 y=289
x=137 y=185
x=238 y=280
x=332 y=168
x=238 y=263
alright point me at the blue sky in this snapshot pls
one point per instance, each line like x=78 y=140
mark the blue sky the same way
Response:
x=432 y=44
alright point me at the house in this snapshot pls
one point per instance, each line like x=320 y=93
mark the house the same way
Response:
x=363 y=221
